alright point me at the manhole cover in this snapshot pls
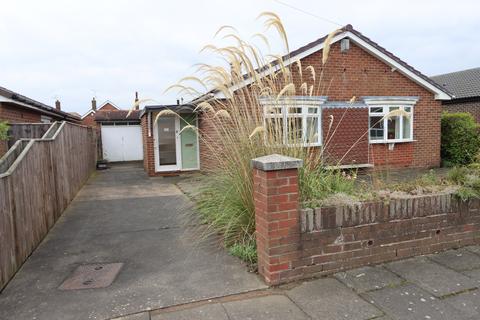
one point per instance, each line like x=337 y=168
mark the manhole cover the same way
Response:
x=92 y=276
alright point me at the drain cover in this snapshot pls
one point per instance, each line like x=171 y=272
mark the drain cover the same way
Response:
x=92 y=276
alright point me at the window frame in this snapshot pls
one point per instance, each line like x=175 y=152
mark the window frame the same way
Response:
x=286 y=114
x=385 y=111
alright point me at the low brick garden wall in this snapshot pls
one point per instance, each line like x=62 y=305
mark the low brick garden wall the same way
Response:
x=295 y=243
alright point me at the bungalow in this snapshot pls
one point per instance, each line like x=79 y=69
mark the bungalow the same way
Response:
x=465 y=86
x=16 y=108
x=357 y=67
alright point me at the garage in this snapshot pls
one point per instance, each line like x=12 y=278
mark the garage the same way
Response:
x=122 y=141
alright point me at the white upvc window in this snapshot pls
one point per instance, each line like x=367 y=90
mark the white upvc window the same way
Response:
x=293 y=122
x=390 y=129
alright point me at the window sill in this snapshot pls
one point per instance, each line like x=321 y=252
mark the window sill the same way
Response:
x=390 y=141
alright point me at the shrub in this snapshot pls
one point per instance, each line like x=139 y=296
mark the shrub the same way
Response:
x=460 y=138
x=319 y=183
x=458 y=175
x=246 y=251
x=3 y=130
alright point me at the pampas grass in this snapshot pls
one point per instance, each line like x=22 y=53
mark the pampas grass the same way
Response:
x=238 y=132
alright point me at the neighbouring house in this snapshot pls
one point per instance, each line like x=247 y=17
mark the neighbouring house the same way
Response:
x=465 y=86
x=357 y=67
x=16 y=108
x=119 y=130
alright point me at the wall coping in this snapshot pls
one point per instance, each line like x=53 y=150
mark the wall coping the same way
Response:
x=275 y=162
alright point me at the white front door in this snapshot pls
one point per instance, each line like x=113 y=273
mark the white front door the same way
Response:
x=167 y=144
x=122 y=142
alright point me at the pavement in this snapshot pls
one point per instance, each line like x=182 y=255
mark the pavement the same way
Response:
x=122 y=219
x=124 y=250
x=440 y=286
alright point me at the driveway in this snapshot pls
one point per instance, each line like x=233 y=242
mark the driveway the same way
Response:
x=136 y=223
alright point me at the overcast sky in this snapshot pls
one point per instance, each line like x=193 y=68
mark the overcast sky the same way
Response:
x=74 y=50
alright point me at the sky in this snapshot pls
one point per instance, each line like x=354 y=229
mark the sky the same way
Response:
x=108 y=49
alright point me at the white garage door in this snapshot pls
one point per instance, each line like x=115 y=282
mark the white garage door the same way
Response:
x=122 y=142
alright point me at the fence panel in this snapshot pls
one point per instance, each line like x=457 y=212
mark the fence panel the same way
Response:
x=42 y=178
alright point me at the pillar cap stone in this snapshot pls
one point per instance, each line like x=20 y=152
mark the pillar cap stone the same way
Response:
x=275 y=162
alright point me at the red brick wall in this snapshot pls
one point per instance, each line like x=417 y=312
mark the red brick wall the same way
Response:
x=107 y=107
x=293 y=244
x=14 y=114
x=210 y=142
x=344 y=135
x=472 y=107
x=148 y=153
x=3 y=148
x=400 y=156
x=89 y=121
x=276 y=220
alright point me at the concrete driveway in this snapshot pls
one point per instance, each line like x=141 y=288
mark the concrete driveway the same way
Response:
x=122 y=216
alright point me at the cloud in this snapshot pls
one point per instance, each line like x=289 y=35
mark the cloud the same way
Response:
x=111 y=48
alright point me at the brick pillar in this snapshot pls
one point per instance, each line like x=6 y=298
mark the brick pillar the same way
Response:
x=275 y=186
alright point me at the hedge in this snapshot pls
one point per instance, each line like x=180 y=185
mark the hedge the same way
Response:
x=460 y=138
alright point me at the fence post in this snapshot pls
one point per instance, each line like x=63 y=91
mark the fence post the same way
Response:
x=276 y=199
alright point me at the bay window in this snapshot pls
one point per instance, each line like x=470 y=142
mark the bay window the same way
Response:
x=390 y=123
x=293 y=122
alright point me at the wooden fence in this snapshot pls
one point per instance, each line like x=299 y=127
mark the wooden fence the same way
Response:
x=19 y=131
x=38 y=179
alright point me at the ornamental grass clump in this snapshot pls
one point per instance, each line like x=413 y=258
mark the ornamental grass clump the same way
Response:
x=244 y=106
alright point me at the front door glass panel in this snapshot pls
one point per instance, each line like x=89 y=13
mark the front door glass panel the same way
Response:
x=167 y=147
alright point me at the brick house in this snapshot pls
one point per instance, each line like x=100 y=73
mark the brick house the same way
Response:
x=16 y=108
x=357 y=67
x=465 y=86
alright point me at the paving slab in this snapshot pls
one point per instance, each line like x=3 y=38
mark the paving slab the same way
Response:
x=474 y=249
x=431 y=276
x=137 y=316
x=459 y=260
x=467 y=302
x=368 y=278
x=205 y=312
x=328 y=298
x=162 y=264
x=409 y=301
x=474 y=275
x=274 y=307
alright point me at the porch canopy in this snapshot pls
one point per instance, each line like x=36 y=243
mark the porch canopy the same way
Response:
x=178 y=108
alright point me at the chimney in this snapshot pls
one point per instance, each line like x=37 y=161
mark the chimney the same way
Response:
x=57 y=105
x=94 y=104
x=136 y=100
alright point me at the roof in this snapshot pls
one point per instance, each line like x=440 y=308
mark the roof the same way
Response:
x=117 y=115
x=110 y=103
x=91 y=111
x=178 y=108
x=364 y=42
x=463 y=84
x=22 y=101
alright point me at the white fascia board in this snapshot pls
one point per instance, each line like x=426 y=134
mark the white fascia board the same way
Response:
x=108 y=102
x=439 y=94
x=303 y=100
x=287 y=62
x=86 y=114
x=404 y=101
